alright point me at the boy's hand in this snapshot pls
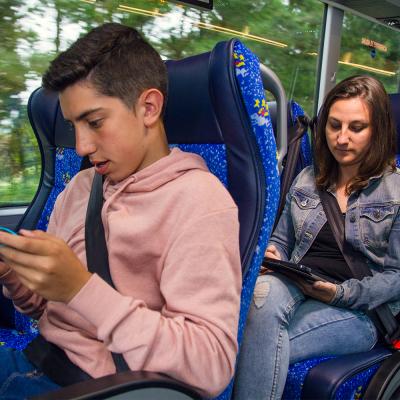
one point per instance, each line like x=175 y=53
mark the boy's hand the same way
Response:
x=44 y=264
x=3 y=267
x=322 y=291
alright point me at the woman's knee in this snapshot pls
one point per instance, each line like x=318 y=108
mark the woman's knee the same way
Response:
x=274 y=295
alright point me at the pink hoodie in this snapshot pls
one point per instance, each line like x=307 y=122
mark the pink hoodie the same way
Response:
x=172 y=236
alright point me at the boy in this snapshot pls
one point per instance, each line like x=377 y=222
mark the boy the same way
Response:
x=170 y=226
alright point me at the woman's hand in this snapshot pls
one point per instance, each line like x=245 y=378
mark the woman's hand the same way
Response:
x=272 y=252
x=322 y=291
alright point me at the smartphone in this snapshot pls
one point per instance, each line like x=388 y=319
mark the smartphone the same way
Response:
x=4 y=229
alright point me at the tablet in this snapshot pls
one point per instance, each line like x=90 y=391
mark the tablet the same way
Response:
x=295 y=271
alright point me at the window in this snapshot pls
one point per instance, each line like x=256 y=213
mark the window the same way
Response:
x=283 y=33
x=369 y=48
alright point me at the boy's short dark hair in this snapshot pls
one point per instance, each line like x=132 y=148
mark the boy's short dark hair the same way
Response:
x=115 y=59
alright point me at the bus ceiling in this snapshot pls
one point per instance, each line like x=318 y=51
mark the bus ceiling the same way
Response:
x=386 y=12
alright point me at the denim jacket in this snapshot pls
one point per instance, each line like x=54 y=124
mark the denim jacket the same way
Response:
x=372 y=226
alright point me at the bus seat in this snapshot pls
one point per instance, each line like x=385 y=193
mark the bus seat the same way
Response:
x=305 y=158
x=294 y=110
x=60 y=163
x=222 y=118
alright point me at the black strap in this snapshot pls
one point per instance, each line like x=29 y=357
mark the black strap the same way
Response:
x=381 y=315
x=295 y=133
x=53 y=361
x=96 y=247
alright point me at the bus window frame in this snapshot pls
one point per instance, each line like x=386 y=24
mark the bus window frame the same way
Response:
x=205 y=4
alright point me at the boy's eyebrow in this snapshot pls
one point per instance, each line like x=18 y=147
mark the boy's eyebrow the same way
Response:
x=86 y=113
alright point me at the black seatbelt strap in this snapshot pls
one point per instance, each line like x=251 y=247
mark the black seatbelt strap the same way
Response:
x=295 y=133
x=96 y=247
x=385 y=321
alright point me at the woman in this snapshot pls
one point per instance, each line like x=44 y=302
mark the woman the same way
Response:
x=355 y=145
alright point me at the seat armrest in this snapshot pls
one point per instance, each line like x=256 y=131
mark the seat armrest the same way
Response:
x=323 y=380
x=139 y=384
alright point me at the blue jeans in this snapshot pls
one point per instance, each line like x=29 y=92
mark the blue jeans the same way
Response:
x=284 y=327
x=19 y=379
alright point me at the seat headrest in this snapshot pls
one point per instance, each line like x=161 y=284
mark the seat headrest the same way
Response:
x=47 y=119
x=188 y=90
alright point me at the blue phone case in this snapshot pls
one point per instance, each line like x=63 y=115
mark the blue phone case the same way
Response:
x=3 y=228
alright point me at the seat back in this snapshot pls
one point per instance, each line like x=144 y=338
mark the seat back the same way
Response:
x=56 y=139
x=294 y=110
x=221 y=129
x=56 y=142
x=232 y=130
x=218 y=118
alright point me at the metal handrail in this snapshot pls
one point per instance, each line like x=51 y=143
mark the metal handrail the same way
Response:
x=272 y=83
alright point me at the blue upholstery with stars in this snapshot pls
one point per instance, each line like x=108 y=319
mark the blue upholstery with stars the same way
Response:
x=296 y=375
x=249 y=79
x=67 y=165
x=352 y=386
x=222 y=158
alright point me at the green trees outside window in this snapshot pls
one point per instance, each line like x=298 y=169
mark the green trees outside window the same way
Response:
x=283 y=33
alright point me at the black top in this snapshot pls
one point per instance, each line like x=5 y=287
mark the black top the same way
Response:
x=325 y=258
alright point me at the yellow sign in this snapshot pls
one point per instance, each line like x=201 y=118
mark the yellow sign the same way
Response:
x=375 y=45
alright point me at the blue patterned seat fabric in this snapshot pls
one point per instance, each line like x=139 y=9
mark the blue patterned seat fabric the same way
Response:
x=352 y=388
x=249 y=80
x=246 y=66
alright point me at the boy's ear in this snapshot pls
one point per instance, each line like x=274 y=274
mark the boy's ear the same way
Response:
x=151 y=101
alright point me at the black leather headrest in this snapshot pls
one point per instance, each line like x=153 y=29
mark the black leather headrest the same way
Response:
x=47 y=119
x=190 y=115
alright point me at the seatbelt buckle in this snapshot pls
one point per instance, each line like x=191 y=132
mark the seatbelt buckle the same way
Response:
x=394 y=339
x=395 y=344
